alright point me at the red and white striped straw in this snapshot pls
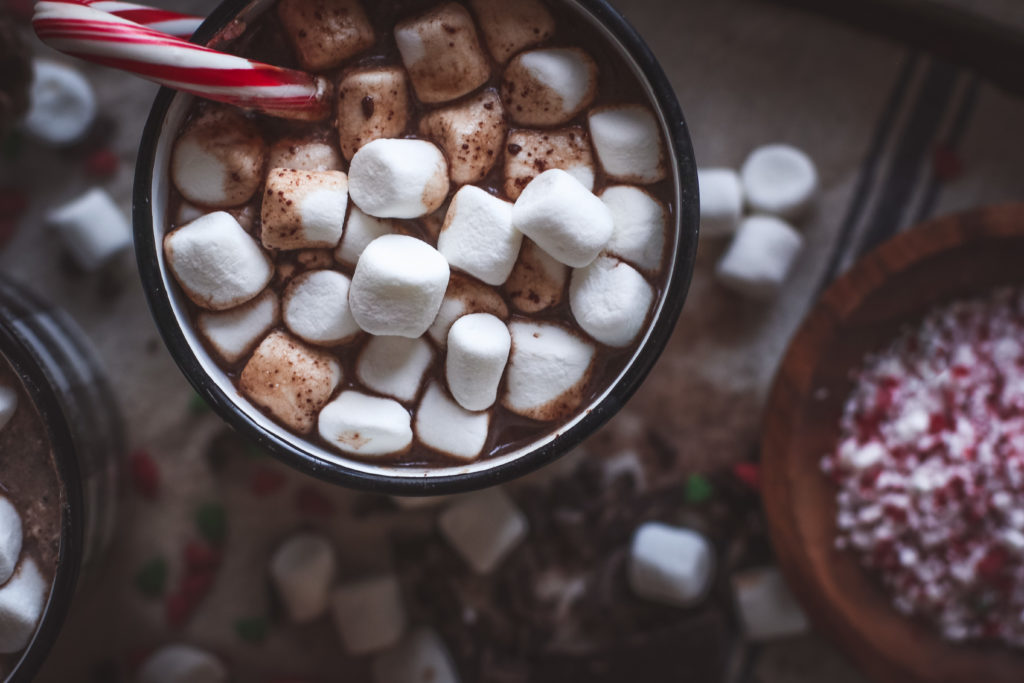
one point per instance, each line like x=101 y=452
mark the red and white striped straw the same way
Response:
x=165 y=21
x=90 y=34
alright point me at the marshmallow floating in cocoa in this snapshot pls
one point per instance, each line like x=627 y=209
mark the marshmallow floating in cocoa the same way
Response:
x=62 y=104
x=441 y=52
x=369 y=615
x=92 y=227
x=610 y=301
x=537 y=280
x=627 y=140
x=218 y=160
x=216 y=262
x=233 y=333
x=767 y=608
x=471 y=133
x=484 y=528
x=360 y=230
x=325 y=33
x=10 y=538
x=398 y=178
x=721 y=201
x=780 y=180
x=367 y=426
x=548 y=369
x=373 y=103
x=530 y=152
x=398 y=286
x=395 y=366
x=421 y=657
x=290 y=379
x=448 y=428
x=671 y=565
x=478 y=237
x=304 y=154
x=508 y=27
x=22 y=600
x=315 y=308
x=640 y=224
x=550 y=86
x=182 y=663
x=8 y=404
x=464 y=296
x=303 y=209
x=760 y=257
x=302 y=569
x=478 y=348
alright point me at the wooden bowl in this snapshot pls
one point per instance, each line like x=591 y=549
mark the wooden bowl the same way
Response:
x=895 y=285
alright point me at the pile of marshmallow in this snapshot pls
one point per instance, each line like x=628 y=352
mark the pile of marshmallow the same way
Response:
x=426 y=288
x=777 y=184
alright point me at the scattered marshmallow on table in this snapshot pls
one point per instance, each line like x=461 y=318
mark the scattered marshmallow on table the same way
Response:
x=508 y=27
x=548 y=369
x=441 y=52
x=627 y=140
x=767 y=608
x=446 y=427
x=564 y=218
x=304 y=154
x=760 y=257
x=303 y=209
x=325 y=33
x=398 y=286
x=484 y=528
x=10 y=539
x=464 y=296
x=8 y=404
x=530 y=152
x=640 y=224
x=182 y=663
x=780 y=180
x=421 y=657
x=369 y=614
x=537 y=280
x=302 y=569
x=550 y=86
x=478 y=348
x=373 y=103
x=216 y=262
x=398 y=178
x=290 y=379
x=395 y=366
x=233 y=333
x=721 y=201
x=478 y=237
x=671 y=565
x=315 y=308
x=62 y=104
x=22 y=600
x=360 y=230
x=218 y=160
x=93 y=228
x=471 y=133
x=367 y=426
x=610 y=300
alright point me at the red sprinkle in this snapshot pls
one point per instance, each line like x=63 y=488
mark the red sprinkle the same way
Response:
x=200 y=556
x=102 y=163
x=266 y=482
x=145 y=474
x=749 y=473
x=312 y=503
x=178 y=608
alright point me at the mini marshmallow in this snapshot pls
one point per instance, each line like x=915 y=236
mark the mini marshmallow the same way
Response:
x=484 y=528
x=446 y=427
x=181 y=663
x=62 y=104
x=245 y=215
x=216 y=262
x=421 y=657
x=670 y=565
x=315 y=308
x=767 y=608
x=304 y=154
x=398 y=286
x=760 y=257
x=537 y=281
x=549 y=87
x=373 y=103
x=291 y=380
x=564 y=218
x=442 y=54
x=628 y=143
x=395 y=366
x=22 y=600
x=10 y=538
x=531 y=152
x=780 y=180
x=464 y=296
x=399 y=178
x=721 y=201
x=8 y=404
x=478 y=237
x=302 y=570
x=548 y=369
x=232 y=334
x=360 y=230
x=609 y=299
x=478 y=348
x=366 y=426
x=508 y=27
x=325 y=33
x=369 y=614
x=640 y=225
x=93 y=228
x=304 y=209
x=471 y=133
x=218 y=160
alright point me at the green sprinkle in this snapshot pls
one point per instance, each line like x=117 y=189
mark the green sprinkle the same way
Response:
x=151 y=578
x=212 y=521
x=697 y=489
x=253 y=629
x=197 y=405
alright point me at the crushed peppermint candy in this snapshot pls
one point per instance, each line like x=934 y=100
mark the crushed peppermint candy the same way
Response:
x=930 y=469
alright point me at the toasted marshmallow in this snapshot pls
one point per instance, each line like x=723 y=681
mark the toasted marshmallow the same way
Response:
x=62 y=103
x=360 y=230
x=216 y=262
x=531 y=152
x=446 y=427
x=549 y=87
x=315 y=308
x=304 y=154
x=366 y=426
x=548 y=370
x=628 y=143
x=325 y=33
x=22 y=600
x=484 y=528
x=218 y=160
x=478 y=348
x=421 y=657
x=233 y=333
x=478 y=237
x=369 y=614
x=290 y=379
x=181 y=663
x=398 y=286
x=508 y=27
x=671 y=565
x=373 y=103
x=442 y=54
x=302 y=569
x=760 y=257
x=767 y=608
x=471 y=133
x=721 y=201
x=537 y=281
x=8 y=404
x=465 y=296
x=640 y=225
x=610 y=300
x=10 y=539
x=564 y=218
x=780 y=180
x=93 y=228
x=304 y=209
x=395 y=366
x=399 y=178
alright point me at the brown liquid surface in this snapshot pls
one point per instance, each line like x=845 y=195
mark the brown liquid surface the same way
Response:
x=265 y=41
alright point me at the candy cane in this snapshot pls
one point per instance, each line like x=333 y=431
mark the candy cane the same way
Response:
x=165 y=21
